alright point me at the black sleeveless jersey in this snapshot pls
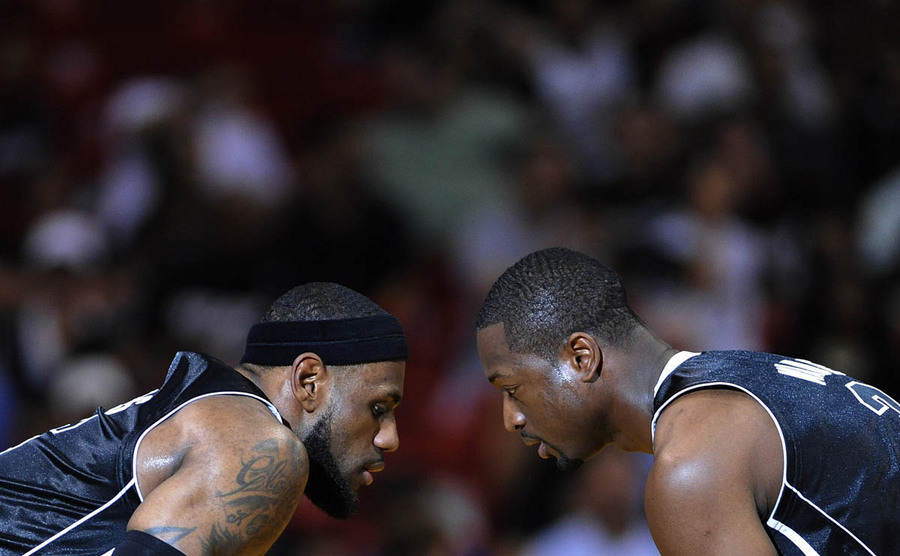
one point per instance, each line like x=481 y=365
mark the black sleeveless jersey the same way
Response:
x=73 y=489
x=840 y=438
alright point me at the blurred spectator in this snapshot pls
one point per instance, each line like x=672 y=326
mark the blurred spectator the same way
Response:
x=439 y=151
x=340 y=228
x=879 y=226
x=602 y=511
x=791 y=78
x=66 y=247
x=238 y=151
x=140 y=122
x=705 y=77
x=722 y=259
x=543 y=211
x=580 y=61
x=164 y=170
x=433 y=516
x=86 y=382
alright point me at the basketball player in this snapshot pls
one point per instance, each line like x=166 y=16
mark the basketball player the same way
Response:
x=216 y=460
x=753 y=453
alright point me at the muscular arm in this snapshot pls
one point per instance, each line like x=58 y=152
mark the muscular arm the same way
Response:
x=716 y=475
x=221 y=478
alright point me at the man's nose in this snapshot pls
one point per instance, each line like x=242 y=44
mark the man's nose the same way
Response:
x=513 y=419
x=387 y=438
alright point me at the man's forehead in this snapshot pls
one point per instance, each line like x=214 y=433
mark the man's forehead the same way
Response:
x=384 y=377
x=498 y=361
x=491 y=341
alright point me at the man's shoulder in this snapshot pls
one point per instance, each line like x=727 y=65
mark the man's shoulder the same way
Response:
x=696 y=417
x=237 y=479
x=713 y=475
x=224 y=427
x=227 y=418
x=221 y=431
x=716 y=438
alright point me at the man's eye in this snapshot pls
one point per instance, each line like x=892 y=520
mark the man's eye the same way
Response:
x=511 y=393
x=378 y=410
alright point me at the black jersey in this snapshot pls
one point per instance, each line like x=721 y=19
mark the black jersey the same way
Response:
x=73 y=489
x=840 y=493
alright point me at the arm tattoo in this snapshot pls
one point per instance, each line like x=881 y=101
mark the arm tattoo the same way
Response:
x=220 y=538
x=263 y=499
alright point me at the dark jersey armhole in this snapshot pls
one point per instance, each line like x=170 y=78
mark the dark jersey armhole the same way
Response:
x=139 y=543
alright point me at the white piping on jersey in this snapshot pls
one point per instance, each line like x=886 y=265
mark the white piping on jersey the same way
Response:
x=19 y=444
x=83 y=519
x=674 y=362
x=760 y=402
x=137 y=445
x=831 y=519
x=784 y=482
x=792 y=536
x=112 y=411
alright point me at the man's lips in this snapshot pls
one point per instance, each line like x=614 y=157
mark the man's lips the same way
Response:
x=544 y=451
x=374 y=468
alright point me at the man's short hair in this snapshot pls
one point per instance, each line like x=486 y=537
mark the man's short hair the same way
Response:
x=321 y=301
x=550 y=294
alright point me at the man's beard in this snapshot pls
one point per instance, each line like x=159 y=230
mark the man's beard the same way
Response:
x=565 y=463
x=326 y=487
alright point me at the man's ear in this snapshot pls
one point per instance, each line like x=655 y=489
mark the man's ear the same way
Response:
x=309 y=381
x=584 y=355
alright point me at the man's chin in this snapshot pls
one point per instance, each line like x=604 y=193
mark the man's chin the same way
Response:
x=565 y=463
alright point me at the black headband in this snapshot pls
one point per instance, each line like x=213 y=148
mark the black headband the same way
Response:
x=337 y=342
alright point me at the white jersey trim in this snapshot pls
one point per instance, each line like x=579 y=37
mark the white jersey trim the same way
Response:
x=792 y=536
x=137 y=445
x=673 y=363
x=83 y=519
x=831 y=519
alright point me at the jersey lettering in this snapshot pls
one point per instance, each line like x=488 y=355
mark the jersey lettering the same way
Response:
x=873 y=398
x=121 y=407
x=806 y=370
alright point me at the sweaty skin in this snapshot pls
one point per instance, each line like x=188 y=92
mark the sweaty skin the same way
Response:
x=716 y=475
x=220 y=476
x=223 y=476
x=718 y=459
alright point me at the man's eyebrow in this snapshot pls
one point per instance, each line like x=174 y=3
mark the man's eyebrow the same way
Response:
x=495 y=376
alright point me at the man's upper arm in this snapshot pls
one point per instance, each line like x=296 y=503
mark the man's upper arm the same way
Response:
x=709 y=488
x=236 y=487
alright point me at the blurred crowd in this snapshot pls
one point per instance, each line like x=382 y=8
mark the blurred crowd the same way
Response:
x=168 y=168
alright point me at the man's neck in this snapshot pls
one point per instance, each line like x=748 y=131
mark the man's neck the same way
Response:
x=639 y=370
x=272 y=382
